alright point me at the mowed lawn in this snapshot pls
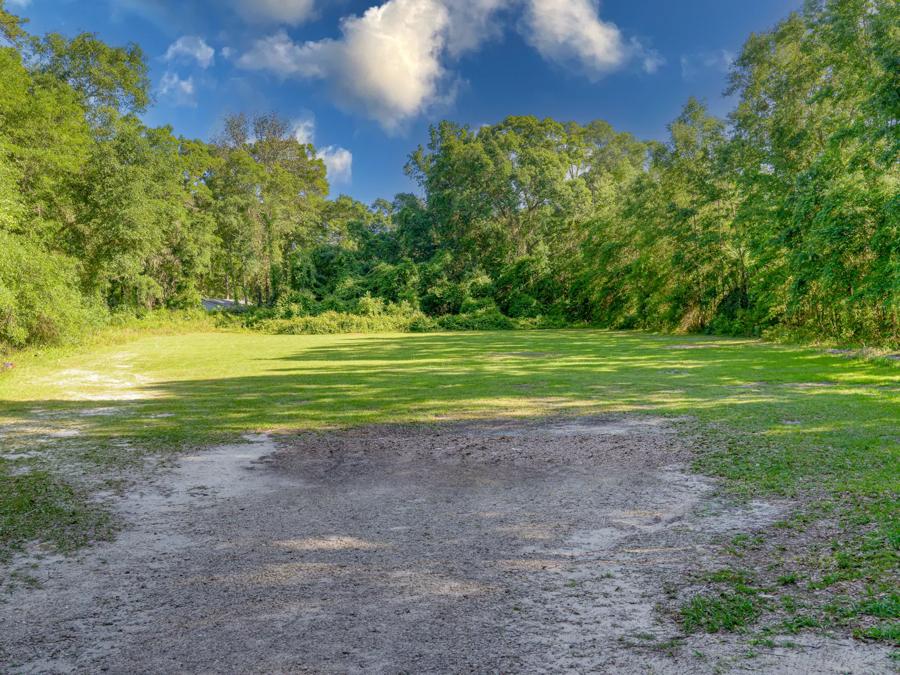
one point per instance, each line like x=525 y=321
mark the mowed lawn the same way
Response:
x=800 y=412
x=770 y=419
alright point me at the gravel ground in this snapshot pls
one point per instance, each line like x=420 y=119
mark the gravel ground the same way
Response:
x=502 y=546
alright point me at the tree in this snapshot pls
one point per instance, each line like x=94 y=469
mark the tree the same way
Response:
x=103 y=76
x=268 y=189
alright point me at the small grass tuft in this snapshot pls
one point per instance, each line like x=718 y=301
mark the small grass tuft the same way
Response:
x=888 y=631
x=724 y=612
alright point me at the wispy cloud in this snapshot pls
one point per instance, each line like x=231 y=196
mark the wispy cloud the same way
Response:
x=191 y=48
x=304 y=129
x=180 y=91
x=290 y=12
x=692 y=65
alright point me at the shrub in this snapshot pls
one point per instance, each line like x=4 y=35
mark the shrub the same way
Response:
x=369 y=306
x=395 y=283
x=39 y=300
x=338 y=322
x=295 y=303
x=489 y=319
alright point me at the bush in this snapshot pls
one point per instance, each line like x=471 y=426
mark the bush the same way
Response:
x=489 y=318
x=374 y=316
x=39 y=300
x=336 y=322
x=522 y=305
x=295 y=303
x=395 y=283
x=444 y=297
x=369 y=306
x=169 y=320
x=527 y=288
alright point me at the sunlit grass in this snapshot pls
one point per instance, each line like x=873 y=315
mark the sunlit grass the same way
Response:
x=773 y=418
x=199 y=388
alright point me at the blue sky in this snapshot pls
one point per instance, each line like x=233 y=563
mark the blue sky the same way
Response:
x=363 y=80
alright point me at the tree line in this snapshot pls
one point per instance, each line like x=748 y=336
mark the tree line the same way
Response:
x=782 y=217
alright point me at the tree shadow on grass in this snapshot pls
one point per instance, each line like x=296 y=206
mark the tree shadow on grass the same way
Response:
x=806 y=412
x=767 y=417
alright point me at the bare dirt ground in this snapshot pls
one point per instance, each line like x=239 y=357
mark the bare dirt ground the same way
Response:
x=502 y=546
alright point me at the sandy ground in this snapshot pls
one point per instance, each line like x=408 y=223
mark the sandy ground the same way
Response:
x=478 y=547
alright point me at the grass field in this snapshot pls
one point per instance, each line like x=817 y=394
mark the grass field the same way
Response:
x=770 y=419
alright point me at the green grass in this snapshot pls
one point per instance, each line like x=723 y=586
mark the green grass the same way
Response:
x=770 y=419
x=714 y=613
x=887 y=632
x=37 y=505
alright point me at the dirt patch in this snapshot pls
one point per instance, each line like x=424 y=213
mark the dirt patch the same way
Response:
x=810 y=385
x=630 y=443
x=502 y=546
x=103 y=411
x=87 y=385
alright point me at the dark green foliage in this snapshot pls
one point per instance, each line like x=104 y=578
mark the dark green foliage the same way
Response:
x=782 y=220
x=39 y=298
x=330 y=322
x=489 y=318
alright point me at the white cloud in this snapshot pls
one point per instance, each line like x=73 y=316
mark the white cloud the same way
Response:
x=291 y=12
x=387 y=62
x=338 y=163
x=19 y=3
x=471 y=22
x=282 y=56
x=305 y=130
x=719 y=60
x=391 y=63
x=191 y=47
x=179 y=90
x=568 y=31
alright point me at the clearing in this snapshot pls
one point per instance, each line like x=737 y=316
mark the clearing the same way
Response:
x=522 y=501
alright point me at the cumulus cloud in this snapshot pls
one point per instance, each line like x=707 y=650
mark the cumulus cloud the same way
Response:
x=179 y=90
x=567 y=31
x=338 y=163
x=386 y=63
x=290 y=12
x=394 y=61
x=191 y=47
x=471 y=22
x=281 y=55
